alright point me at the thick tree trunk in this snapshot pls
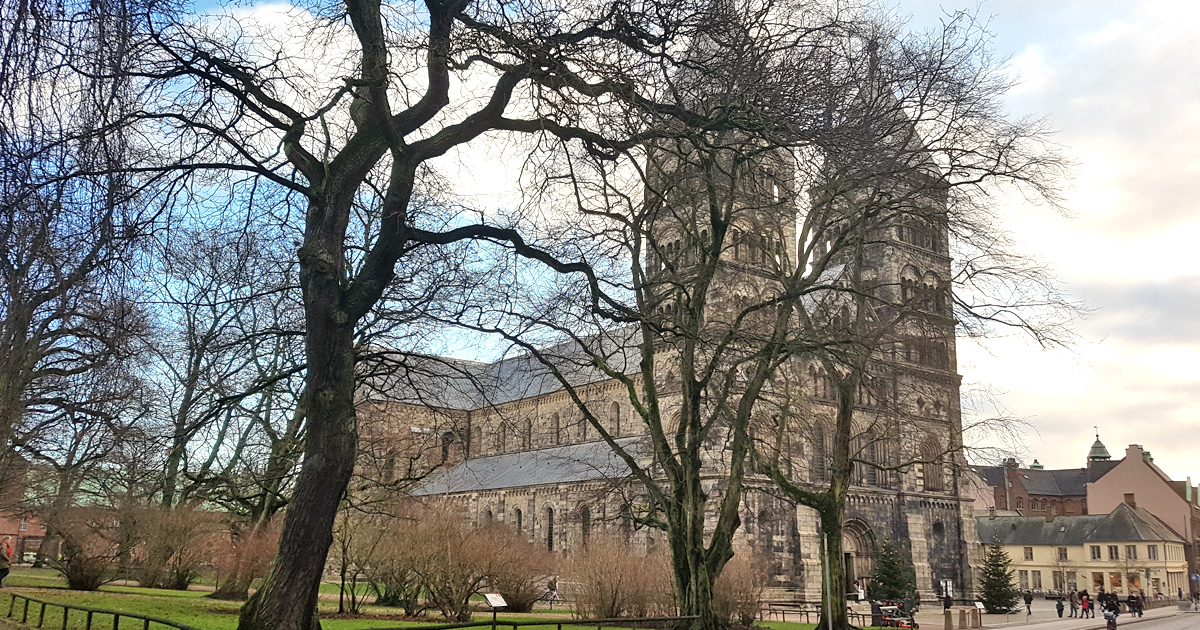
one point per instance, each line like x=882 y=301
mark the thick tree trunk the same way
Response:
x=287 y=598
x=833 y=592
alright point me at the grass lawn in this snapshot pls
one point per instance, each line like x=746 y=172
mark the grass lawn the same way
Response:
x=195 y=609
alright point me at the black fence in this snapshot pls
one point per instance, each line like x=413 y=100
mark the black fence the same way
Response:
x=99 y=617
x=93 y=617
x=557 y=624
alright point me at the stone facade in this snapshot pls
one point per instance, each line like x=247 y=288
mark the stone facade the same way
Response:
x=496 y=441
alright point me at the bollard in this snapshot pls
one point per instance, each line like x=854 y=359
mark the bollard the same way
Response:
x=962 y=617
x=949 y=620
x=976 y=618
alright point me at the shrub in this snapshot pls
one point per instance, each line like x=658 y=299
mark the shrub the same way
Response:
x=612 y=581
x=738 y=591
x=242 y=556
x=520 y=569
x=175 y=544
x=87 y=554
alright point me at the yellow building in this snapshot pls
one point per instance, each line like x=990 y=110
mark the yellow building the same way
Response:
x=1126 y=551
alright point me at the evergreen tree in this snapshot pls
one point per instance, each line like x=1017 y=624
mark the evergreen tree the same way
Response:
x=1000 y=593
x=894 y=578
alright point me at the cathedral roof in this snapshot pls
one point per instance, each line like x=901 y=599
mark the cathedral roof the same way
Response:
x=589 y=461
x=449 y=383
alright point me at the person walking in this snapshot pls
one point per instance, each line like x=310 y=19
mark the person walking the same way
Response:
x=5 y=558
x=1085 y=605
x=1059 y=606
x=1073 y=597
x=1028 y=603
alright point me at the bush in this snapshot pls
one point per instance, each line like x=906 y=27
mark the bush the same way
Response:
x=87 y=554
x=175 y=544
x=520 y=569
x=738 y=591
x=613 y=581
x=241 y=557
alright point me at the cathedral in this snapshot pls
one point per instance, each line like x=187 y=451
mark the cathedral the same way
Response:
x=508 y=443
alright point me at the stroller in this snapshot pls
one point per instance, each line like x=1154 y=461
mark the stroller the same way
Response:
x=1110 y=617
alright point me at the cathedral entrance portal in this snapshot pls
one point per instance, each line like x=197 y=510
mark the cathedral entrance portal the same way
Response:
x=858 y=549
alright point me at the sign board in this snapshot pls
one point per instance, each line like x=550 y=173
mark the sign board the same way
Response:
x=495 y=600
x=979 y=605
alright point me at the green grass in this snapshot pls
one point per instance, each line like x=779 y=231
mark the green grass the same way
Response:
x=193 y=608
x=34 y=578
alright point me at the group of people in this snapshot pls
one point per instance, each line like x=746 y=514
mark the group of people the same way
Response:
x=1084 y=605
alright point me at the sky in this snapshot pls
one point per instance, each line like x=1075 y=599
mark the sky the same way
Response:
x=1120 y=82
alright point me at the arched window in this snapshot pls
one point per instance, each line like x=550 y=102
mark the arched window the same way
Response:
x=1020 y=503
x=520 y=519
x=447 y=440
x=556 y=428
x=585 y=525
x=820 y=465
x=501 y=437
x=487 y=515
x=527 y=438
x=614 y=412
x=550 y=528
x=931 y=467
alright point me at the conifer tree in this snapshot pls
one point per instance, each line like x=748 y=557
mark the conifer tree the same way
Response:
x=894 y=578
x=1000 y=593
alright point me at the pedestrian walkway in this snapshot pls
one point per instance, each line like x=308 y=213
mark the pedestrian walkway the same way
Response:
x=1044 y=617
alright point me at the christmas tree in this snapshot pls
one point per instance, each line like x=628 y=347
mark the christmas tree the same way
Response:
x=1000 y=594
x=894 y=578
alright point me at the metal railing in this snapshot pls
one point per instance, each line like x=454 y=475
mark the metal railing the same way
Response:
x=89 y=613
x=622 y=622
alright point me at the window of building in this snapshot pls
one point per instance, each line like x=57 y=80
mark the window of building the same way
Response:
x=1114 y=553
x=22 y=525
x=1152 y=552
x=1023 y=579
x=931 y=469
x=615 y=412
x=819 y=464
x=1020 y=503
x=1062 y=554
x=520 y=519
x=1097 y=581
x=1095 y=551
x=1114 y=580
x=556 y=428
x=1028 y=553
x=527 y=438
x=1058 y=581
x=550 y=528
x=1037 y=579
x=1131 y=552
x=585 y=525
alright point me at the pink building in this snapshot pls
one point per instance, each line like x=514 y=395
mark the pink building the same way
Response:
x=1136 y=480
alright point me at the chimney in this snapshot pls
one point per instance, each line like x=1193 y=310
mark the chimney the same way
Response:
x=1129 y=500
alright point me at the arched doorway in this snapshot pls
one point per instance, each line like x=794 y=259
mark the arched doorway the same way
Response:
x=858 y=551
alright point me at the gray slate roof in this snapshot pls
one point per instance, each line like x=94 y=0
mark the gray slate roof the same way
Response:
x=590 y=461
x=449 y=383
x=1067 y=482
x=1123 y=524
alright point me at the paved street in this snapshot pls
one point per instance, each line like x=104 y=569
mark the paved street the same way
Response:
x=1045 y=617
